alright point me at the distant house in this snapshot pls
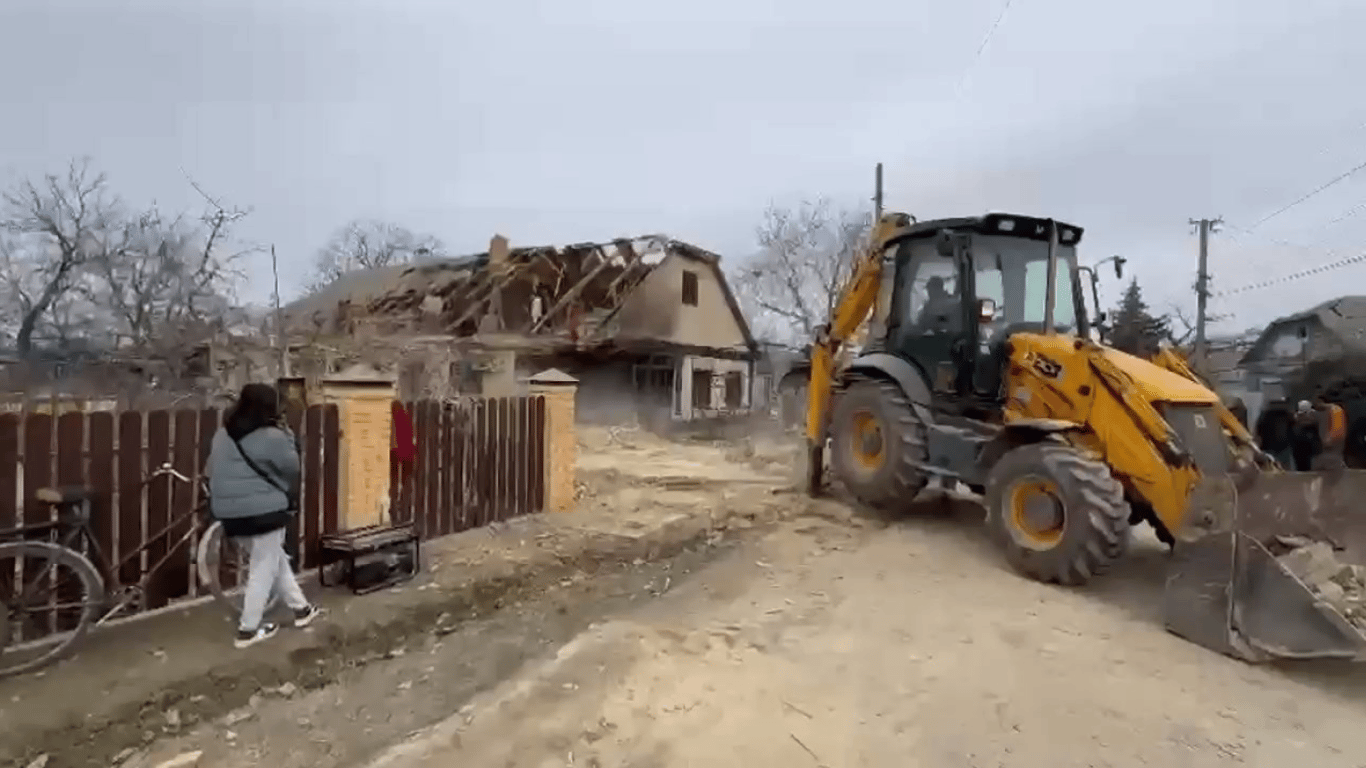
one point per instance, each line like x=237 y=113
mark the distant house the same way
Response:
x=1330 y=333
x=647 y=324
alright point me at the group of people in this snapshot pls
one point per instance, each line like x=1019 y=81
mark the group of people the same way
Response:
x=1311 y=437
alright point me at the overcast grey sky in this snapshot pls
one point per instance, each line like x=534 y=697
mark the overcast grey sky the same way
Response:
x=555 y=122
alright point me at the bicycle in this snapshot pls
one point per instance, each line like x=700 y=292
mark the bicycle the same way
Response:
x=59 y=543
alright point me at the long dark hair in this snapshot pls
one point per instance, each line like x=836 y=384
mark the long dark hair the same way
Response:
x=257 y=406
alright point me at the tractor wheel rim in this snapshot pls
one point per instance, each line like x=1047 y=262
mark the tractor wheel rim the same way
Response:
x=1035 y=513
x=867 y=445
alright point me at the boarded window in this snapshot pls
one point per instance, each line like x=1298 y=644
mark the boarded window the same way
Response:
x=701 y=389
x=690 y=288
x=735 y=390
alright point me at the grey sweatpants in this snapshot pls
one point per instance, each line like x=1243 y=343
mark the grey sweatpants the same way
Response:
x=267 y=571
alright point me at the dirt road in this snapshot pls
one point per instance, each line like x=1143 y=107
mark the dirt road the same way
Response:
x=830 y=645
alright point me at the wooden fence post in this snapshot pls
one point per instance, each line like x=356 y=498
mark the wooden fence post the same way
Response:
x=561 y=440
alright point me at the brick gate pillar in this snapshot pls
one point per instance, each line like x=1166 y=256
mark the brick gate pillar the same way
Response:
x=561 y=439
x=364 y=400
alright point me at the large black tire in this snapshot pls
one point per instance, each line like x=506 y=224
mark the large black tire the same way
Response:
x=1093 y=529
x=889 y=475
x=39 y=557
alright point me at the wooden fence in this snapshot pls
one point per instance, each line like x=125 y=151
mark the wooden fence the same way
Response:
x=477 y=461
x=115 y=454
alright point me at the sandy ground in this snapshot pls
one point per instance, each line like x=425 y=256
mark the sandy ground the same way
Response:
x=830 y=644
x=414 y=672
x=817 y=636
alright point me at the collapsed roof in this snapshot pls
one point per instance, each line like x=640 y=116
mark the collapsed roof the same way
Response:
x=570 y=294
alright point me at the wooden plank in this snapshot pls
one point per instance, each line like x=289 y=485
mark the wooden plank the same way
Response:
x=437 y=421
x=11 y=429
x=331 y=444
x=450 y=504
x=431 y=414
x=311 y=515
x=488 y=456
x=504 y=446
x=39 y=434
x=294 y=530
x=538 y=454
x=459 y=433
x=177 y=576
x=39 y=456
x=70 y=472
x=100 y=459
x=210 y=420
x=477 y=479
x=158 y=503
x=423 y=433
x=131 y=502
x=522 y=456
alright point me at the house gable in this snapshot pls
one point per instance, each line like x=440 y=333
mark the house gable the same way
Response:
x=657 y=309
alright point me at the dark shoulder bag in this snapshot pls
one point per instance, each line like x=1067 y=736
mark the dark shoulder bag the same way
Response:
x=292 y=499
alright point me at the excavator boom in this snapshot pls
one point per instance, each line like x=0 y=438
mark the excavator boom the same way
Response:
x=851 y=310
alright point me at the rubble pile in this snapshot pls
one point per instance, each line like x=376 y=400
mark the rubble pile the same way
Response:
x=1340 y=585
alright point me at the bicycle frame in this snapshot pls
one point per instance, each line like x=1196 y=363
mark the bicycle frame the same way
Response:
x=74 y=529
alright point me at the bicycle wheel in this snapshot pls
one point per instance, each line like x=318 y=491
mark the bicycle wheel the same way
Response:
x=65 y=595
x=222 y=567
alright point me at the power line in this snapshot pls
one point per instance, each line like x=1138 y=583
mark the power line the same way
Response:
x=986 y=39
x=1320 y=269
x=991 y=31
x=1336 y=179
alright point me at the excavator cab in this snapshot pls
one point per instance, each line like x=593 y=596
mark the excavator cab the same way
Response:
x=963 y=288
x=980 y=369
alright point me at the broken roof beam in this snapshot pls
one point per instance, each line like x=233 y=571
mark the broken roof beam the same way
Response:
x=603 y=263
x=494 y=277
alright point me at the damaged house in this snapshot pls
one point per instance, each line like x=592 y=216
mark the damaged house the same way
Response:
x=648 y=325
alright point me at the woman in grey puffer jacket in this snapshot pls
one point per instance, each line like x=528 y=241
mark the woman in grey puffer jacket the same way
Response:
x=254 y=476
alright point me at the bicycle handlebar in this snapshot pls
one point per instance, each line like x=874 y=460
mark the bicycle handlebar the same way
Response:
x=166 y=469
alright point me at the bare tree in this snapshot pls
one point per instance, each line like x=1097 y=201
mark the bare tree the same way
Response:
x=168 y=281
x=366 y=244
x=790 y=287
x=55 y=227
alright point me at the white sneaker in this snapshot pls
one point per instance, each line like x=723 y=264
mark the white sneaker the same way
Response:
x=247 y=639
x=305 y=616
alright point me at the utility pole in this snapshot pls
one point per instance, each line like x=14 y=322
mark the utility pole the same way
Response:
x=1204 y=227
x=877 y=194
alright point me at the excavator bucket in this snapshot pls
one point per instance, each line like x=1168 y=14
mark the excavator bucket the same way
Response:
x=1272 y=567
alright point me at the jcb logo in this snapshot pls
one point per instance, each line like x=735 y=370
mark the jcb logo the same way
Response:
x=1200 y=421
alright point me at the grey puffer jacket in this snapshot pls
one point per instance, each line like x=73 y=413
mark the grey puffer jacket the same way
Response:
x=246 y=503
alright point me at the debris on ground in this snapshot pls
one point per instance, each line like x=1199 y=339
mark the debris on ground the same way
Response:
x=1340 y=585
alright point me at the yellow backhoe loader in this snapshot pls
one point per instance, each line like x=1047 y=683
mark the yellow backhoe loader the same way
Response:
x=979 y=368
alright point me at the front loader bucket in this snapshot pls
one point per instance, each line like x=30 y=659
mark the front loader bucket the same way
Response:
x=1271 y=567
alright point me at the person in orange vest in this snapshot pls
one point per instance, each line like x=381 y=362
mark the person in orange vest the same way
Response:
x=1332 y=435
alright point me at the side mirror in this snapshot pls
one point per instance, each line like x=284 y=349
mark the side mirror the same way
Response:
x=1119 y=268
x=986 y=310
x=1101 y=317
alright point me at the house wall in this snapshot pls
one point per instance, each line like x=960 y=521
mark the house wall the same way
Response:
x=716 y=396
x=656 y=309
x=1292 y=344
